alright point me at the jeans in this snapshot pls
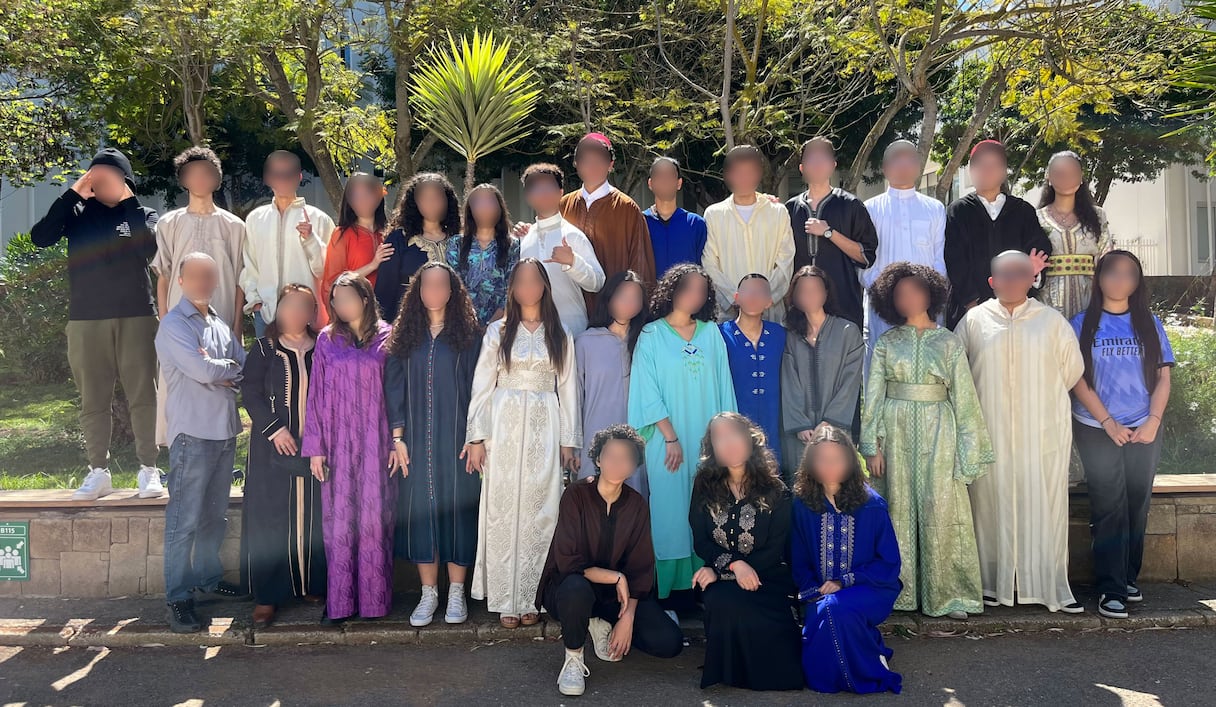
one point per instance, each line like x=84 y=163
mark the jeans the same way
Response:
x=102 y=352
x=575 y=601
x=1120 y=483
x=259 y=325
x=200 y=478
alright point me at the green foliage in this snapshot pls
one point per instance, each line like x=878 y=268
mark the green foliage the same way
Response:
x=473 y=98
x=34 y=310
x=1189 y=432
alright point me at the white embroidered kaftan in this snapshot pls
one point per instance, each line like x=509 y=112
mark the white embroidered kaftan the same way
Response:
x=525 y=415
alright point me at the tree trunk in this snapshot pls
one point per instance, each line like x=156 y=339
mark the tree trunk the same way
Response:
x=728 y=51
x=862 y=158
x=985 y=104
x=470 y=175
x=928 y=125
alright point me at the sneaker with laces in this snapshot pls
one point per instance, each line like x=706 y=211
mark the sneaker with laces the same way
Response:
x=96 y=484
x=1073 y=608
x=1134 y=593
x=457 y=611
x=424 y=613
x=1112 y=607
x=149 y=482
x=572 y=680
x=601 y=637
x=182 y=618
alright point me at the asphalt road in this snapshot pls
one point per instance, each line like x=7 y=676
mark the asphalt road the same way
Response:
x=1147 y=667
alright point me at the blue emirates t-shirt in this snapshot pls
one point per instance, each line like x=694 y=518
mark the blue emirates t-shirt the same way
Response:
x=1118 y=373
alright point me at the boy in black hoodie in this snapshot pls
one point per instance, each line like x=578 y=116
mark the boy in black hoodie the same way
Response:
x=112 y=311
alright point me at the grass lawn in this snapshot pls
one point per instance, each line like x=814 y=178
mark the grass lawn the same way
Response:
x=41 y=446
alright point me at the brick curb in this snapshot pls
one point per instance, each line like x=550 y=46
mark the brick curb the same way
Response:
x=132 y=633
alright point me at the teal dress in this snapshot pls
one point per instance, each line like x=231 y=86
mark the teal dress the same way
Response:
x=687 y=382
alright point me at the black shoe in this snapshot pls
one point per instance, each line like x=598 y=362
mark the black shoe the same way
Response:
x=326 y=621
x=182 y=618
x=226 y=590
x=1112 y=607
x=1134 y=593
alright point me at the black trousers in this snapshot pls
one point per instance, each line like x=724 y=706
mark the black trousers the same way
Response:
x=1120 y=483
x=574 y=601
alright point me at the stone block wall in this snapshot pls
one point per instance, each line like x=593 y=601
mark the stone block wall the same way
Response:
x=1180 y=542
x=104 y=551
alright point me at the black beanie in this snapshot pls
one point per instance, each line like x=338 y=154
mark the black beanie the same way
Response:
x=113 y=157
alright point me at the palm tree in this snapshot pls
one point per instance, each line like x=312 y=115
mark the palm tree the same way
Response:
x=473 y=98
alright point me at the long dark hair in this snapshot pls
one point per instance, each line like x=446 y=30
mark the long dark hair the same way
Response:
x=555 y=334
x=853 y=493
x=502 y=229
x=795 y=318
x=408 y=218
x=272 y=329
x=412 y=327
x=347 y=218
x=369 y=322
x=673 y=282
x=1143 y=322
x=761 y=477
x=601 y=316
x=1085 y=207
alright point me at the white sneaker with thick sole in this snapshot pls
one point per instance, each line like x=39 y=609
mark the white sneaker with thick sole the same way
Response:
x=149 y=482
x=96 y=485
x=424 y=613
x=572 y=680
x=458 y=610
x=601 y=637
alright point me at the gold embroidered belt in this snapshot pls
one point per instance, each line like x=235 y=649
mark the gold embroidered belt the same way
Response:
x=918 y=392
x=538 y=381
x=1070 y=264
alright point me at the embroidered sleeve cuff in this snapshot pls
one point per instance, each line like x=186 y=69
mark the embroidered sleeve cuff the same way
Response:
x=868 y=449
x=847 y=579
x=722 y=562
x=271 y=429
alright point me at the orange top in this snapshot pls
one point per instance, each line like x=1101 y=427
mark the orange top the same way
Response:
x=349 y=249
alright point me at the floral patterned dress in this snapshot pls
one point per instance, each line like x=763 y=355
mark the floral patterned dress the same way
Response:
x=1071 y=267
x=486 y=282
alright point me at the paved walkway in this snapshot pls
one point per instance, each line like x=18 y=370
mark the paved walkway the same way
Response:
x=141 y=621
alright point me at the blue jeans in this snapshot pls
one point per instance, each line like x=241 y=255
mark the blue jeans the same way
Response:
x=259 y=325
x=200 y=477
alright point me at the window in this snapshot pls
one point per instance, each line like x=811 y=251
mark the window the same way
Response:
x=1203 y=243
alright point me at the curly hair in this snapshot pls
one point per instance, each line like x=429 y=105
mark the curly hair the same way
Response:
x=930 y=281
x=198 y=154
x=412 y=327
x=408 y=218
x=544 y=169
x=795 y=318
x=673 y=283
x=761 y=477
x=621 y=432
x=502 y=229
x=853 y=493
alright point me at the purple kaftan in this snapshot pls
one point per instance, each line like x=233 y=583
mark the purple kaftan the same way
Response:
x=344 y=422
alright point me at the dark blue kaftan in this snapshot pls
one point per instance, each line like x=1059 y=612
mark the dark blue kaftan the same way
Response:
x=842 y=649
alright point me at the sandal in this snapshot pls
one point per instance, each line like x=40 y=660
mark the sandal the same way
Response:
x=509 y=621
x=529 y=619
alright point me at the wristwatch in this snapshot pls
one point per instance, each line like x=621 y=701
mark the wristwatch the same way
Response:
x=829 y=233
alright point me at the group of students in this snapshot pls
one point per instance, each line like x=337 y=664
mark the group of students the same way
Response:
x=424 y=387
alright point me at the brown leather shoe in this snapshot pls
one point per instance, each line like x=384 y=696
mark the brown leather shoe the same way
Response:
x=263 y=615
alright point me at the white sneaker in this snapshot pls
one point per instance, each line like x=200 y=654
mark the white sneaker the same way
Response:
x=424 y=613
x=149 y=482
x=958 y=615
x=601 y=637
x=96 y=485
x=458 y=610
x=572 y=680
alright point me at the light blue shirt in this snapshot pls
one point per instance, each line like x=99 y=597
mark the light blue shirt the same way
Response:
x=201 y=362
x=1118 y=369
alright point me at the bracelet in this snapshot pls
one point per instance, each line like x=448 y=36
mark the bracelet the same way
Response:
x=672 y=441
x=398 y=439
x=1103 y=422
x=476 y=443
x=1156 y=416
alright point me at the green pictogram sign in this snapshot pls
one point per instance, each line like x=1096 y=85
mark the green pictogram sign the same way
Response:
x=14 y=551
